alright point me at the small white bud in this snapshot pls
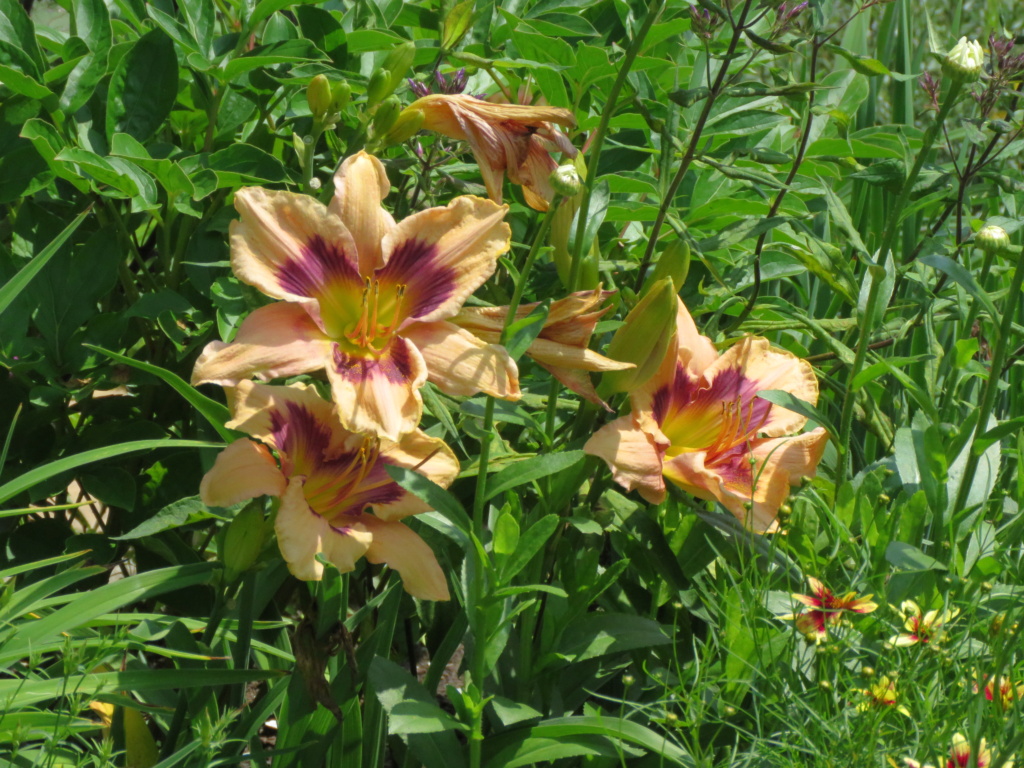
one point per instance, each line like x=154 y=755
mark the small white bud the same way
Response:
x=965 y=61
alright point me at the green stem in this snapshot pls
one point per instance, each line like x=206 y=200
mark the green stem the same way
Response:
x=988 y=397
x=595 y=150
x=308 y=157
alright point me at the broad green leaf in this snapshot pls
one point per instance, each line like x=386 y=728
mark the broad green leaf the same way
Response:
x=532 y=469
x=174 y=515
x=437 y=497
x=792 y=403
x=214 y=412
x=284 y=52
x=39 y=474
x=143 y=88
x=13 y=287
x=529 y=544
x=602 y=634
x=963 y=278
x=738 y=231
x=521 y=333
x=910 y=558
x=23 y=726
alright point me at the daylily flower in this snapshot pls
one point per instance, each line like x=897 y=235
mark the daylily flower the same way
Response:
x=921 y=627
x=1002 y=690
x=327 y=478
x=881 y=694
x=364 y=297
x=517 y=138
x=827 y=609
x=699 y=422
x=561 y=346
x=960 y=756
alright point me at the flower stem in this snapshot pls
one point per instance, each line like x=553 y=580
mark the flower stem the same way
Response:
x=595 y=150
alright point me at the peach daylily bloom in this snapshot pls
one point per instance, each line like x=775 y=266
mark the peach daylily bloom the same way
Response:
x=364 y=297
x=517 y=138
x=699 y=423
x=336 y=498
x=562 y=345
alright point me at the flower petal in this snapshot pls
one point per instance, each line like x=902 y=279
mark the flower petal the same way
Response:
x=564 y=356
x=633 y=456
x=360 y=184
x=275 y=341
x=426 y=455
x=291 y=247
x=695 y=351
x=302 y=535
x=243 y=470
x=404 y=551
x=442 y=255
x=460 y=364
x=754 y=365
x=379 y=394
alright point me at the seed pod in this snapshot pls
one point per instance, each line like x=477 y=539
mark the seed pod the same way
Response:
x=643 y=339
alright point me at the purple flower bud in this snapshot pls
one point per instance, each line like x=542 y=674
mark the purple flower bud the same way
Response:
x=418 y=88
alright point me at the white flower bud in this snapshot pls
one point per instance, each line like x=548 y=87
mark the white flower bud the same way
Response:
x=565 y=180
x=965 y=61
x=992 y=239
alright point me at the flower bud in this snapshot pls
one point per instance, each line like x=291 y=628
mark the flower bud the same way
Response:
x=341 y=92
x=318 y=96
x=398 y=63
x=405 y=127
x=386 y=116
x=643 y=339
x=965 y=61
x=992 y=239
x=565 y=180
x=243 y=541
x=378 y=87
x=674 y=262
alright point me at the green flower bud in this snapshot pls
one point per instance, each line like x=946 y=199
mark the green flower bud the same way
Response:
x=565 y=180
x=378 y=88
x=965 y=61
x=643 y=339
x=341 y=92
x=318 y=96
x=992 y=239
x=405 y=127
x=674 y=262
x=398 y=63
x=386 y=115
x=243 y=541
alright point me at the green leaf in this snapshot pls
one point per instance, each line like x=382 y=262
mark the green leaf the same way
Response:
x=284 y=52
x=434 y=495
x=792 y=403
x=13 y=287
x=994 y=435
x=214 y=412
x=529 y=544
x=242 y=164
x=963 y=278
x=420 y=717
x=174 y=515
x=602 y=634
x=531 y=469
x=143 y=88
x=596 y=213
x=738 y=231
x=910 y=558
x=39 y=474
x=521 y=333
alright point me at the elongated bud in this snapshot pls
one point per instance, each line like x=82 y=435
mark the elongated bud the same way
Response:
x=378 y=88
x=398 y=62
x=643 y=339
x=565 y=180
x=387 y=115
x=674 y=263
x=318 y=96
x=965 y=61
x=243 y=541
x=405 y=127
x=992 y=239
x=341 y=92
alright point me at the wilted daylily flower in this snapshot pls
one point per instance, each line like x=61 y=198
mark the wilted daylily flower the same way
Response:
x=364 y=297
x=327 y=478
x=826 y=609
x=921 y=627
x=960 y=756
x=561 y=346
x=699 y=422
x=516 y=138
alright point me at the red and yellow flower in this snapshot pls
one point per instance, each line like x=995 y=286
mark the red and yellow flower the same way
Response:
x=514 y=138
x=827 y=609
x=1001 y=689
x=363 y=297
x=699 y=423
x=337 y=501
x=921 y=627
x=960 y=756
x=880 y=695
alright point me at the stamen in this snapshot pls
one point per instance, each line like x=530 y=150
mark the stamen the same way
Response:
x=359 y=332
x=396 y=315
x=376 y=296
